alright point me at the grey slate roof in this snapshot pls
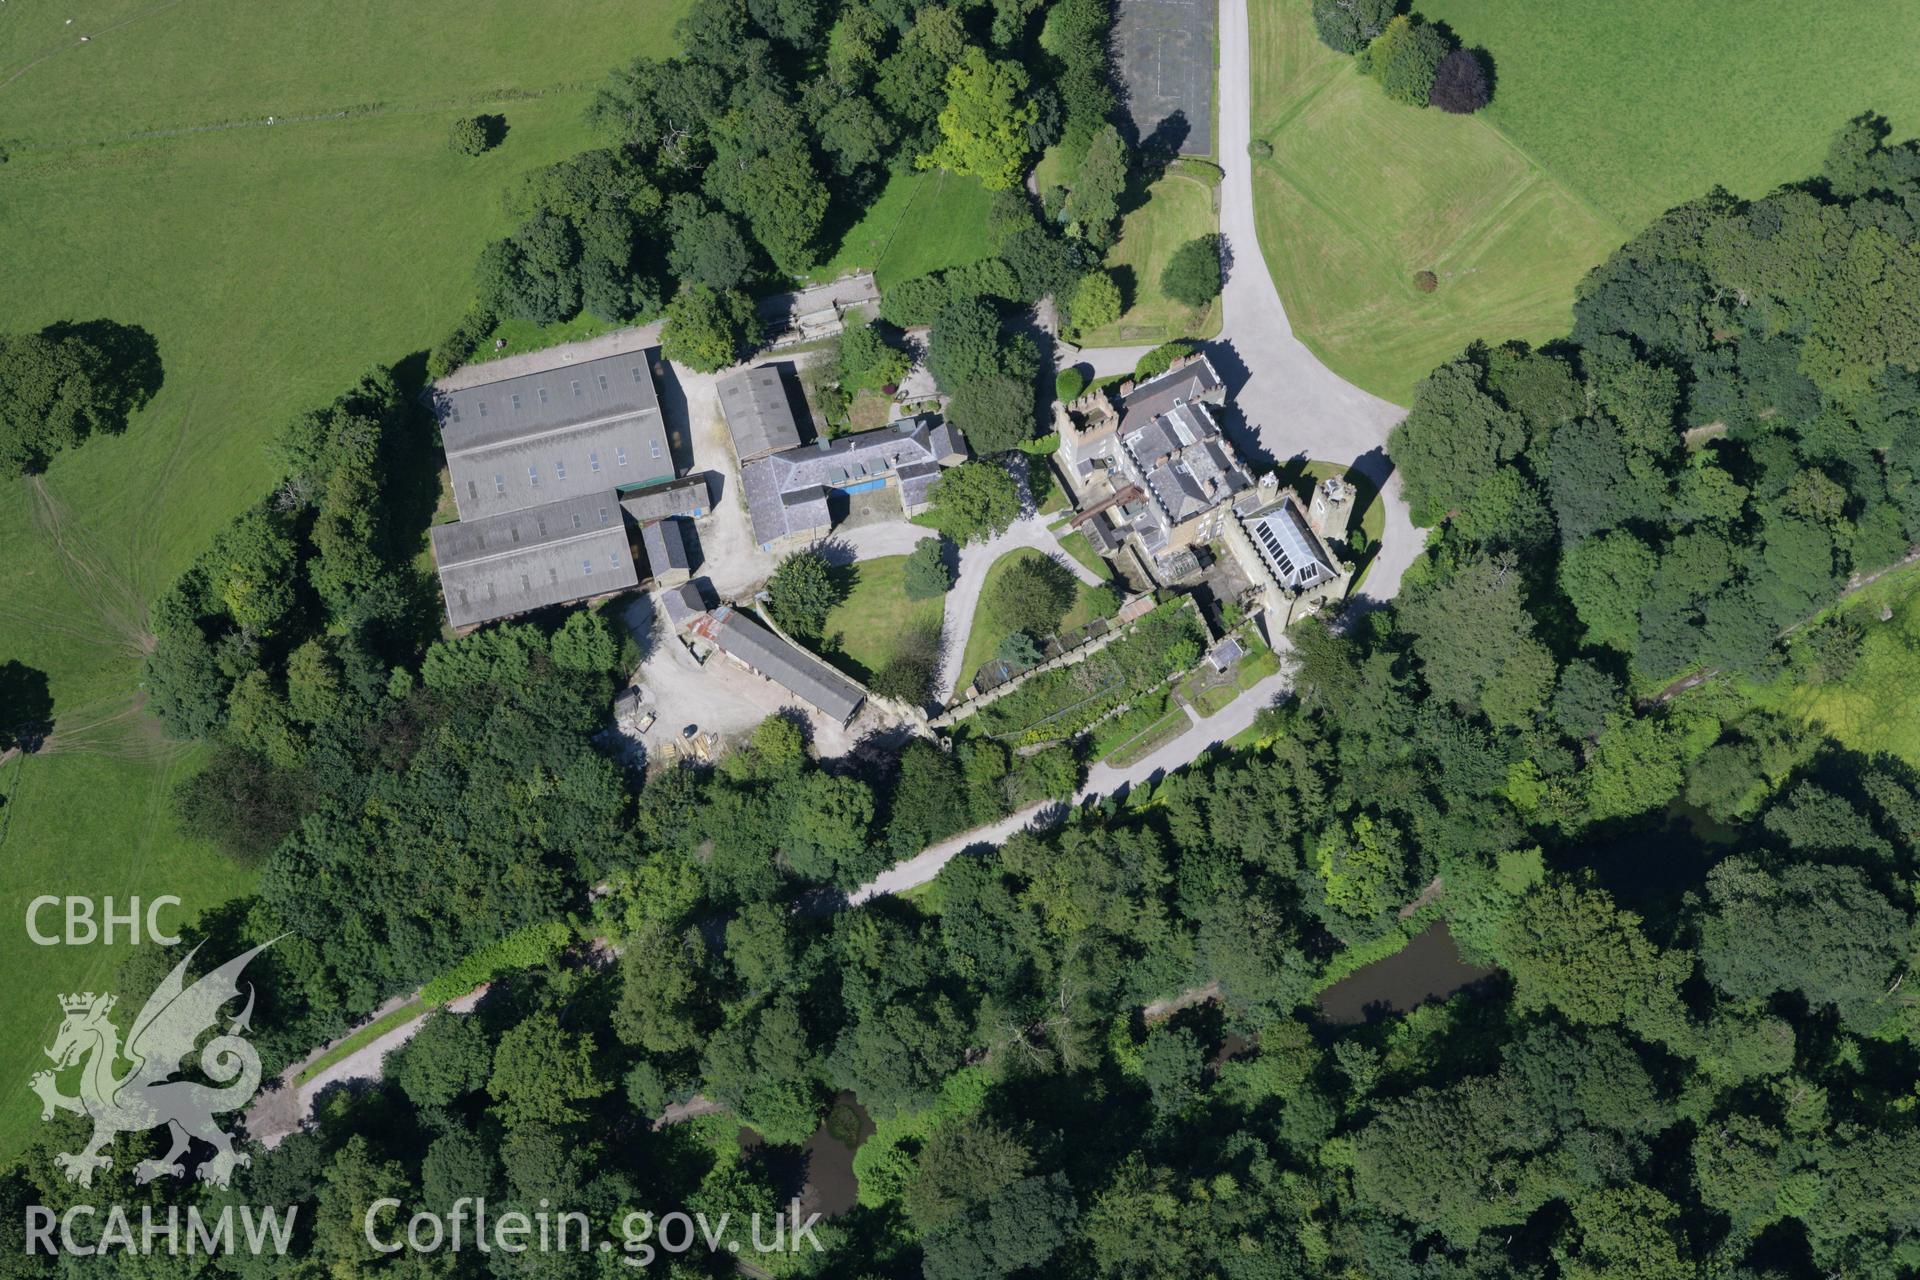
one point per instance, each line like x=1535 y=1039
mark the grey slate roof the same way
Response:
x=1173 y=444
x=758 y=412
x=684 y=603
x=666 y=546
x=916 y=482
x=948 y=446
x=543 y=437
x=511 y=563
x=686 y=497
x=786 y=492
x=1196 y=480
x=1100 y=534
x=792 y=668
x=1192 y=382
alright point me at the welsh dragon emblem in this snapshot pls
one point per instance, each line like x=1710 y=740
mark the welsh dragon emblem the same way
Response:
x=170 y=1024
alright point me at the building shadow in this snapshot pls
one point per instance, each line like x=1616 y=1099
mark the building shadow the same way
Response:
x=673 y=413
x=1246 y=441
x=1224 y=354
x=796 y=400
x=641 y=618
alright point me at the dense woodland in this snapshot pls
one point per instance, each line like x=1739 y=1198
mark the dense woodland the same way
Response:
x=1732 y=429
x=734 y=166
x=1698 y=1054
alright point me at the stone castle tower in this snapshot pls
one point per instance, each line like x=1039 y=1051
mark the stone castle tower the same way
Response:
x=1331 y=508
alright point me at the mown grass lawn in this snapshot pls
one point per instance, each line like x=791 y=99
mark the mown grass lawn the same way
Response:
x=1179 y=207
x=1144 y=744
x=988 y=630
x=1211 y=693
x=1642 y=104
x=921 y=221
x=867 y=628
x=1077 y=545
x=521 y=336
x=1598 y=125
x=272 y=264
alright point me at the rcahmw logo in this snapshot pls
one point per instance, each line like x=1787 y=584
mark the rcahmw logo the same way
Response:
x=146 y=1097
x=167 y=1231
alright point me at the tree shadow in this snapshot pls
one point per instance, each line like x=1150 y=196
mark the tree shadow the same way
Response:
x=26 y=706
x=850 y=196
x=410 y=466
x=840 y=556
x=1161 y=148
x=493 y=127
x=950 y=557
x=1025 y=323
x=1489 y=68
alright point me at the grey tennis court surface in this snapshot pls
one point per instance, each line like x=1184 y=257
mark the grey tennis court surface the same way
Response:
x=1165 y=52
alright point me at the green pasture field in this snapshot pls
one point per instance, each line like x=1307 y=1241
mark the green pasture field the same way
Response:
x=1642 y=104
x=273 y=264
x=1600 y=121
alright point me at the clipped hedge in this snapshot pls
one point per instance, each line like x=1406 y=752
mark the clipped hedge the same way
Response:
x=458 y=347
x=1160 y=359
x=521 y=949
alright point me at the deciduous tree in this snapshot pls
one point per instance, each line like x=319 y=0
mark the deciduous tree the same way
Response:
x=983 y=127
x=1192 y=274
x=803 y=590
x=707 y=329
x=975 y=500
x=1460 y=83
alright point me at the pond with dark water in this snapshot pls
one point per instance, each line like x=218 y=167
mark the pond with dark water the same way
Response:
x=820 y=1171
x=1427 y=968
